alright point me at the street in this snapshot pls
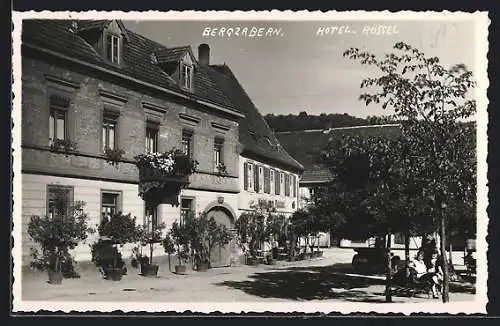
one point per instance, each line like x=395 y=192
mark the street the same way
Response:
x=328 y=278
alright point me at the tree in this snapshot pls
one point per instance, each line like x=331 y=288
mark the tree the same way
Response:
x=432 y=103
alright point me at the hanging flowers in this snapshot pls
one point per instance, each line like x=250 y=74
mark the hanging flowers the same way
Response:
x=157 y=170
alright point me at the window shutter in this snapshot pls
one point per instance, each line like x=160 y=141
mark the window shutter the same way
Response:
x=256 y=178
x=287 y=185
x=245 y=176
x=277 y=182
x=294 y=186
x=267 y=185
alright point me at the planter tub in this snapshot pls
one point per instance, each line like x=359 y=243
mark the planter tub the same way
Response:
x=149 y=270
x=55 y=277
x=203 y=267
x=180 y=269
x=113 y=274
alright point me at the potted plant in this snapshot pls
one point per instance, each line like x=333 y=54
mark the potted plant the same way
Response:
x=221 y=170
x=180 y=236
x=65 y=146
x=149 y=235
x=206 y=233
x=115 y=231
x=55 y=236
x=114 y=156
x=169 y=248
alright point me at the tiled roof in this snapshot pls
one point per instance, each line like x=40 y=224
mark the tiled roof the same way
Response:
x=255 y=135
x=58 y=36
x=91 y=24
x=306 y=146
x=215 y=84
x=171 y=54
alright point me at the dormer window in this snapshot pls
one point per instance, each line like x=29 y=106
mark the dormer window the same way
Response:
x=186 y=76
x=113 y=48
x=107 y=37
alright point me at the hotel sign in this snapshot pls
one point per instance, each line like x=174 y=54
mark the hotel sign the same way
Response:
x=272 y=203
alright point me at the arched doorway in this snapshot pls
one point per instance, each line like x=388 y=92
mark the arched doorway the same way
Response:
x=221 y=255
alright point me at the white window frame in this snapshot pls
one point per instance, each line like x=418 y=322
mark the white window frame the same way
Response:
x=282 y=184
x=261 y=179
x=271 y=182
x=250 y=176
x=187 y=76
x=118 y=204
x=115 y=40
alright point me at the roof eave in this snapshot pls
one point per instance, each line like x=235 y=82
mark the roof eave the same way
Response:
x=179 y=95
x=259 y=156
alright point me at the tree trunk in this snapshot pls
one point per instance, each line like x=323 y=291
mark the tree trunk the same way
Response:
x=151 y=253
x=451 y=251
x=388 y=273
x=407 y=255
x=293 y=242
x=444 y=260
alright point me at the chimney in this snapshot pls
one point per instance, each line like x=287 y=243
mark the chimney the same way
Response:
x=204 y=54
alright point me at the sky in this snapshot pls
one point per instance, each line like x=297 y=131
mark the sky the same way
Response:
x=297 y=70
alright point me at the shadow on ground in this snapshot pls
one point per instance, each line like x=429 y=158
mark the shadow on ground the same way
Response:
x=322 y=283
x=307 y=283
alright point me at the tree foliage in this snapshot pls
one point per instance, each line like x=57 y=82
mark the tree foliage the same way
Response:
x=304 y=121
x=56 y=235
x=432 y=103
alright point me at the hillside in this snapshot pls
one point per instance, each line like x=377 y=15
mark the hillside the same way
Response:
x=303 y=121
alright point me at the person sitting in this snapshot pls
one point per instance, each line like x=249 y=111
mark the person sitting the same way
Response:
x=424 y=275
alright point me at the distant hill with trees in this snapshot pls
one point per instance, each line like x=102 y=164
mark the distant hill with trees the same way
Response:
x=304 y=121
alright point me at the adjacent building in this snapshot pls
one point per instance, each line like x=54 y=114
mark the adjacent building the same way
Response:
x=94 y=85
x=306 y=146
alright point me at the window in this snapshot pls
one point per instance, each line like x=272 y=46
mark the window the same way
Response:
x=150 y=216
x=113 y=48
x=59 y=201
x=151 y=137
x=57 y=124
x=109 y=203
x=109 y=124
x=187 y=142
x=267 y=181
x=277 y=183
x=287 y=185
x=186 y=208
x=282 y=181
x=218 y=158
x=249 y=177
x=271 y=181
x=186 y=76
x=57 y=117
x=261 y=179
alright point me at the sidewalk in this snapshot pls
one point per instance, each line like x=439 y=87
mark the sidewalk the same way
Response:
x=320 y=279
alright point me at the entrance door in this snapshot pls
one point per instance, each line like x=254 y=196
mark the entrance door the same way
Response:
x=221 y=255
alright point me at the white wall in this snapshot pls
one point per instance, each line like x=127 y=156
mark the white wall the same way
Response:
x=34 y=201
x=247 y=197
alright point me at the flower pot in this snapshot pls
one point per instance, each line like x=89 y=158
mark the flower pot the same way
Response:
x=203 y=267
x=113 y=274
x=55 y=277
x=271 y=261
x=149 y=270
x=320 y=253
x=180 y=269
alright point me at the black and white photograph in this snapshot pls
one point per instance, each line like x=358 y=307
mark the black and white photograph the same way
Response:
x=250 y=161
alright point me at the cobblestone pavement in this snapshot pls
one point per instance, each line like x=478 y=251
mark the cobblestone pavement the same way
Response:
x=324 y=279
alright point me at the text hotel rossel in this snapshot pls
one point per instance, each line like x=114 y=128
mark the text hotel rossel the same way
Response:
x=273 y=31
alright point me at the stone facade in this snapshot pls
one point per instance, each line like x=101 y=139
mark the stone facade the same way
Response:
x=87 y=171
